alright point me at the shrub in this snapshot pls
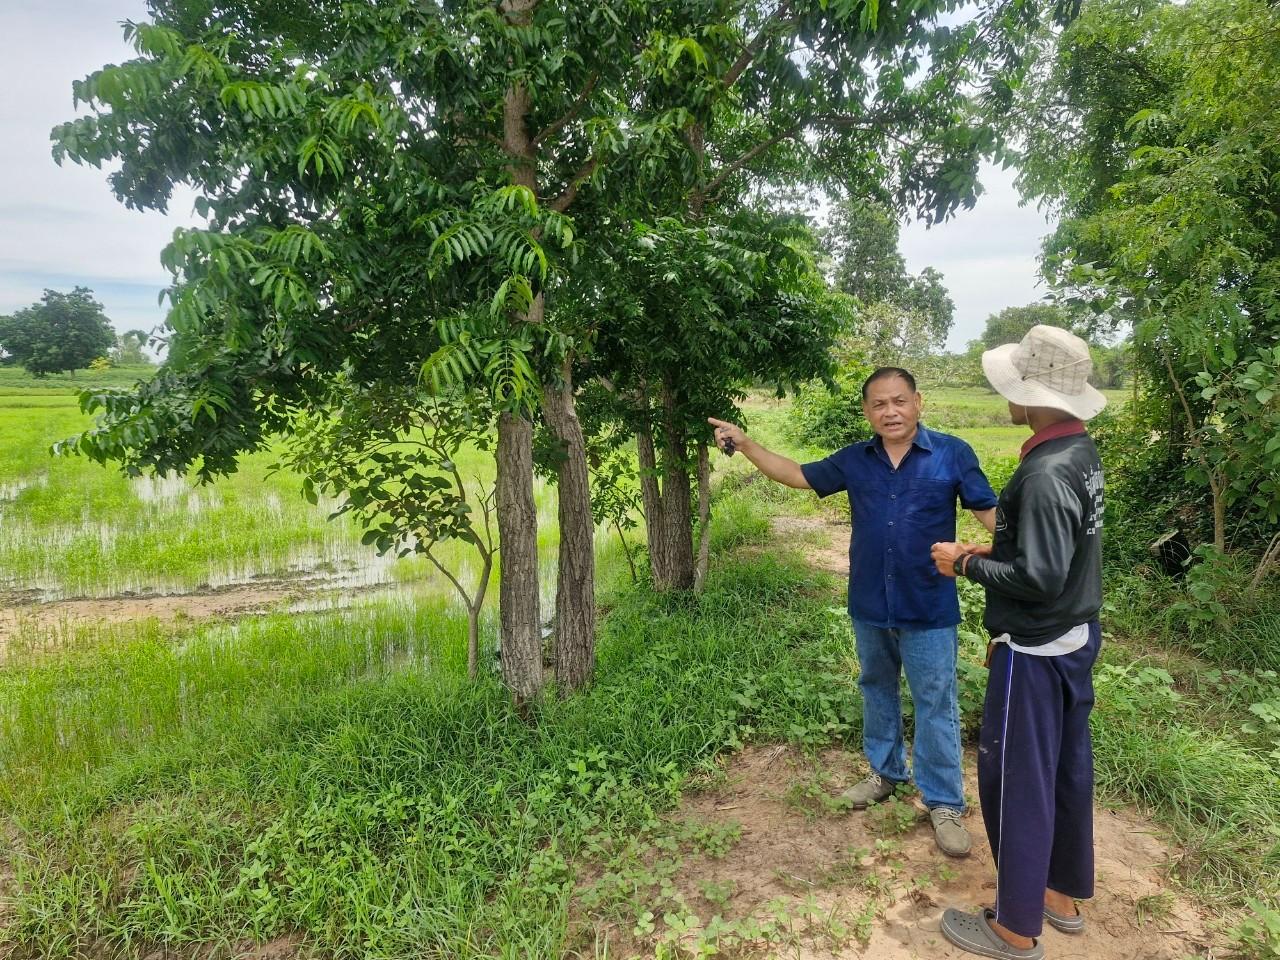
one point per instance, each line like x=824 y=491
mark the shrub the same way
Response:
x=829 y=416
x=1147 y=490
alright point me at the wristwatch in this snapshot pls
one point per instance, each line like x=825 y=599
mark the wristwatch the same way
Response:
x=958 y=564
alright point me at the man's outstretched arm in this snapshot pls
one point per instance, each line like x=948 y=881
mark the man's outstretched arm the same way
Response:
x=773 y=465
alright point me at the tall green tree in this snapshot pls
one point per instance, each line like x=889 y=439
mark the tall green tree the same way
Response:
x=130 y=348
x=1012 y=323
x=902 y=316
x=386 y=187
x=861 y=98
x=64 y=331
x=1110 y=363
x=699 y=310
x=861 y=242
x=1152 y=129
x=388 y=190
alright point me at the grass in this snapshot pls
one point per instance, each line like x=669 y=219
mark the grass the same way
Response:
x=14 y=379
x=961 y=408
x=332 y=779
x=69 y=527
x=336 y=778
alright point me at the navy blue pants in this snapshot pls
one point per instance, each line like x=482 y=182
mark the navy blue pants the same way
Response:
x=1035 y=779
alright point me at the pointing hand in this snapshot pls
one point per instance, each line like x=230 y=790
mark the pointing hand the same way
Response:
x=729 y=436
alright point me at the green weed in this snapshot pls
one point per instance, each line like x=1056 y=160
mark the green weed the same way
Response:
x=335 y=776
x=1258 y=935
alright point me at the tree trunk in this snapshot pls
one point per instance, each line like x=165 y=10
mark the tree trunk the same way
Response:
x=704 y=519
x=517 y=513
x=473 y=642
x=1219 y=514
x=677 y=526
x=651 y=495
x=626 y=551
x=677 y=529
x=518 y=533
x=677 y=519
x=1270 y=556
x=575 y=581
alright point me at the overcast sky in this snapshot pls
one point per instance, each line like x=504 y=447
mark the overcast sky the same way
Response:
x=62 y=226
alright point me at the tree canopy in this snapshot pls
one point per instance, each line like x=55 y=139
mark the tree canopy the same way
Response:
x=403 y=192
x=1154 y=132
x=64 y=331
x=901 y=315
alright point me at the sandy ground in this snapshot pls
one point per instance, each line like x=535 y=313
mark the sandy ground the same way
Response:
x=825 y=542
x=829 y=858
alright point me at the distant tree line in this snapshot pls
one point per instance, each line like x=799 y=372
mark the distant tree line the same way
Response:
x=65 y=332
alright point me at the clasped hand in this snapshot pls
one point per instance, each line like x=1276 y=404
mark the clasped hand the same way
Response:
x=946 y=554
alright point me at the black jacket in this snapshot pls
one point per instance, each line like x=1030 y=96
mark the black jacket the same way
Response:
x=1044 y=575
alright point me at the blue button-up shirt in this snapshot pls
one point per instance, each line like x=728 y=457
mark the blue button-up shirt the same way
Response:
x=899 y=513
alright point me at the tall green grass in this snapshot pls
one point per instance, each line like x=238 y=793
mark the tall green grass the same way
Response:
x=1170 y=740
x=336 y=778
x=14 y=379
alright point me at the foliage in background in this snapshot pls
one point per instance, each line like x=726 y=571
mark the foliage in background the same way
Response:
x=827 y=414
x=1010 y=325
x=130 y=349
x=900 y=316
x=1155 y=137
x=1148 y=492
x=61 y=333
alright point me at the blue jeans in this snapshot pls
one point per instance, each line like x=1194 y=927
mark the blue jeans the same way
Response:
x=929 y=659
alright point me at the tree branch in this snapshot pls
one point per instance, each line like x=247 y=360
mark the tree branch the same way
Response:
x=744 y=159
x=457 y=585
x=572 y=112
x=357 y=324
x=753 y=48
x=820 y=120
x=561 y=203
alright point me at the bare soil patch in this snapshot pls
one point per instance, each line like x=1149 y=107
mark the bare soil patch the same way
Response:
x=50 y=621
x=281 y=948
x=823 y=542
x=862 y=884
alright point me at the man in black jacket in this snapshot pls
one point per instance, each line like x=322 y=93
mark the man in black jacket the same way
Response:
x=1043 y=580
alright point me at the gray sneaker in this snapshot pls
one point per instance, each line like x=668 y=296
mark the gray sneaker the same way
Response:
x=951 y=836
x=871 y=790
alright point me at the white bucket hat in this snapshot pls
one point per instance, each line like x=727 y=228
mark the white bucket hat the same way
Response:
x=1049 y=368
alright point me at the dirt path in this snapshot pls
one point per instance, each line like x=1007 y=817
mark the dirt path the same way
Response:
x=820 y=882
x=825 y=542
x=824 y=883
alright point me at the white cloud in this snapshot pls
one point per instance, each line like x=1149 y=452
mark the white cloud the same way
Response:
x=988 y=255
x=62 y=226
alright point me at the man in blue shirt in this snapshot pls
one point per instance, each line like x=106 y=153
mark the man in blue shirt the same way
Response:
x=902 y=487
